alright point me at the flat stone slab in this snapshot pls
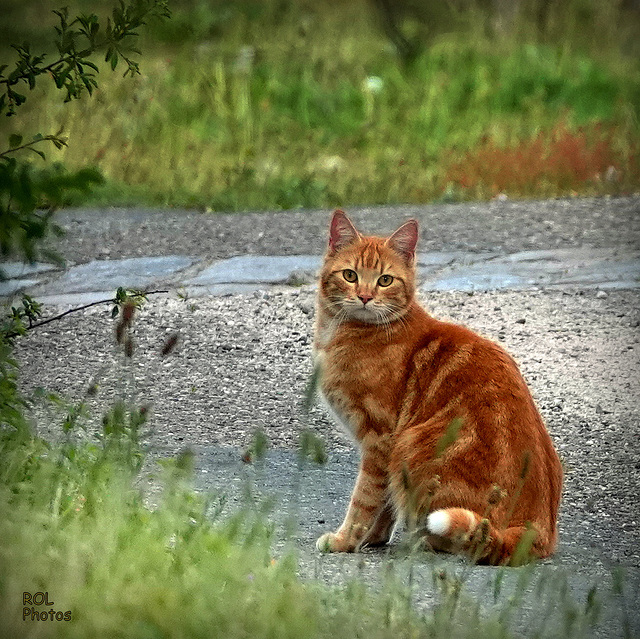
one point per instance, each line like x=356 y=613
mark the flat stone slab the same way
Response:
x=103 y=275
x=221 y=290
x=434 y=262
x=18 y=276
x=586 y=268
x=447 y=271
x=76 y=299
x=16 y=270
x=580 y=267
x=11 y=287
x=246 y=269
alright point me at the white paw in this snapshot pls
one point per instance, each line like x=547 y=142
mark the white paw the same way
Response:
x=325 y=542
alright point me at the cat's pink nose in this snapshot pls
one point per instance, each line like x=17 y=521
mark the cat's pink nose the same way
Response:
x=365 y=298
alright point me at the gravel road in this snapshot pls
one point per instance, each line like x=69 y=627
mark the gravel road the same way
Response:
x=242 y=362
x=503 y=227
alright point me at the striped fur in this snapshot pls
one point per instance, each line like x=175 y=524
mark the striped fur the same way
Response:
x=451 y=440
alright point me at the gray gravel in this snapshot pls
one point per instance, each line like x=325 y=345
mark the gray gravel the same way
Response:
x=502 y=227
x=242 y=364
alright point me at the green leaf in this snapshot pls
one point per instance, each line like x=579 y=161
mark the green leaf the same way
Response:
x=18 y=98
x=15 y=140
x=449 y=436
x=312 y=447
x=37 y=152
x=497 y=584
x=522 y=554
x=59 y=142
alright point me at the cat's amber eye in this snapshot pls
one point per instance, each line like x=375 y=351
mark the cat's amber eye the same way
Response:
x=385 y=280
x=349 y=275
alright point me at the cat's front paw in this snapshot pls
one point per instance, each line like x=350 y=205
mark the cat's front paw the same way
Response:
x=330 y=542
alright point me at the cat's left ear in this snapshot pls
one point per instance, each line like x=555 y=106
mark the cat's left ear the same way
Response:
x=404 y=240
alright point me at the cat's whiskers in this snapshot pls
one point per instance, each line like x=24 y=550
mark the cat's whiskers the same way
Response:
x=330 y=304
x=396 y=313
x=331 y=314
x=337 y=319
x=384 y=322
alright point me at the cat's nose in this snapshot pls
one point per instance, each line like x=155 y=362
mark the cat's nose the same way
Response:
x=365 y=299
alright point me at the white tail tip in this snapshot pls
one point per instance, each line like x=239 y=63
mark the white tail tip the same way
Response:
x=438 y=522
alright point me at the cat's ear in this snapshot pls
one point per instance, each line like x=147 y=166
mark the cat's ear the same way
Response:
x=341 y=231
x=404 y=240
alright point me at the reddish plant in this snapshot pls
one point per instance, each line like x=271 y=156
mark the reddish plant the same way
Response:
x=560 y=162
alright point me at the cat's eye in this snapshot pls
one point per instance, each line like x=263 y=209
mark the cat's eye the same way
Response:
x=385 y=280
x=349 y=275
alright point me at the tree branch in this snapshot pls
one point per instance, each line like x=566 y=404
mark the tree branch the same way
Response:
x=28 y=145
x=112 y=300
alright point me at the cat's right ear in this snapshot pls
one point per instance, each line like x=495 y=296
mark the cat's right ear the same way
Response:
x=341 y=231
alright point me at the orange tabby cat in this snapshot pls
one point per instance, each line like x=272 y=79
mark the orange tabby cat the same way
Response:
x=451 y=440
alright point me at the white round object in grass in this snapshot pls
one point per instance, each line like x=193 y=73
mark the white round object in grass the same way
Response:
x=373 y=84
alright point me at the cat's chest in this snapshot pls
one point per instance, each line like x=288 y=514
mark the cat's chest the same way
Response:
x=361 y=384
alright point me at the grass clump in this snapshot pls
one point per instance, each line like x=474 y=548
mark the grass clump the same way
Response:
x=282 y=104
x=77 y=529
x=76 y=526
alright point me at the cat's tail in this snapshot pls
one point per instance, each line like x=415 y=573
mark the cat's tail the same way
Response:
x=462 y=530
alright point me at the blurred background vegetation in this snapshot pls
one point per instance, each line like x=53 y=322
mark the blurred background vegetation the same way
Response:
x=260 y=104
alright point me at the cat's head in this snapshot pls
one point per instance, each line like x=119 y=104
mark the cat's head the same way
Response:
x=368 y=279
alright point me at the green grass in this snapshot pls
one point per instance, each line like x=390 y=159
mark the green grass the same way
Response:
x=76 y=525
x=283 y=105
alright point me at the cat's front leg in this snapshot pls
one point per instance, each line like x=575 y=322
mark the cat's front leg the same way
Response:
x=367 y=501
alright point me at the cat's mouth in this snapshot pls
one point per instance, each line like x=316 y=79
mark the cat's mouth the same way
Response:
x=367 y=313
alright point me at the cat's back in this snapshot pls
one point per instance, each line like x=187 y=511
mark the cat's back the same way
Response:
x=453 y=369
x=457 y=350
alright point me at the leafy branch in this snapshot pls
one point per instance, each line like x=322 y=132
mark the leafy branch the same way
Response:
x=77 y=40
x=28 y=199
x=23 y=319
x=30 y=196
x=15 y=143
